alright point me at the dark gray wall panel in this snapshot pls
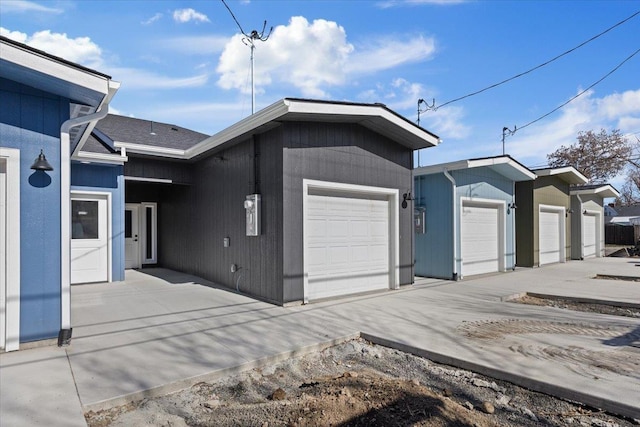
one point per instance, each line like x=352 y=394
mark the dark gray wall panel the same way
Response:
x=194 y=219
x=346 y=153
x=178 y=171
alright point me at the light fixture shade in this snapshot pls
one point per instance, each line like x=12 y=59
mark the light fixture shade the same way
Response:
x=41 y=163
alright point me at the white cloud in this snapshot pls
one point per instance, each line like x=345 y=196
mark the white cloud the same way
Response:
x=613 y=111
x=313 y=57
x=20 y=6
x=83 y=51
x=80 y=49
x=153 y=19
x=134 y=78
x=185 y=15
x=402 y=95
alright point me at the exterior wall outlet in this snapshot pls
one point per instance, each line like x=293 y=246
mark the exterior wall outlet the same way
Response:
x=226 y=242
x=234 y=268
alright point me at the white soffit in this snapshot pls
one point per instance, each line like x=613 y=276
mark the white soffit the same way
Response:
x=48 y=66
x=604 y=191
x=567 y=173
x=373 y=116
x=503 y=165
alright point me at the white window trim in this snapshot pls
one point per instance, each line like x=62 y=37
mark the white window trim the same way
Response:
x=12 y=313
x=92 y=195
x=393 y=196
x=501 y=205
x=561 y=210
x=143 y=233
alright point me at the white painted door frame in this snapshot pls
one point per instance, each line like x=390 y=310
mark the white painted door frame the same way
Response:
x=99 y=195
x=561 y=211
x=140 y=236
x=10 y=258
x=392 y=195
x=502 y=220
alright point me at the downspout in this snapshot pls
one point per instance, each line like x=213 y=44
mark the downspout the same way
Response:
x=513 y=230
x=64 y=336
x=454 y=225
x=581 y=228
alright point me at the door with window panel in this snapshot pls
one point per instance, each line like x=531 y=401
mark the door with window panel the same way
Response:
x=89 y=239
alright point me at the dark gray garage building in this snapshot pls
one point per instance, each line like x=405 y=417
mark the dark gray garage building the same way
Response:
x=330 y=179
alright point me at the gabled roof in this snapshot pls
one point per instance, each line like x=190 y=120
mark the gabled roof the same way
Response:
x=503 y=165
x=602 y=190
x=376 y=117
x=567 y=173
x=145 y=135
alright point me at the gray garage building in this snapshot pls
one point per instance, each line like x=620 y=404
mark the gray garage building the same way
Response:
x=301 y=201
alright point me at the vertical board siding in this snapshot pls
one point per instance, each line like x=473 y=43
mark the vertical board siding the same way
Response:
x=544 y=190
x=30 y=120
x=345 y=153
x=178 y=171
x=92 y=177
x=434 y=249
x=194 y=219
x=576 y=228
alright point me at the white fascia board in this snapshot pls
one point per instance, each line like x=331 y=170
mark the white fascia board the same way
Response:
x=262 y=117
x=570 y=173
x=48 y=66
x=111 y=159
x=174 y=153
x=525 y=174
x=143 y=179
x=605 y=191
x=310 y=107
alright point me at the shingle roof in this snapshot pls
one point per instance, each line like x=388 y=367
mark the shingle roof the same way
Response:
x=145 y=132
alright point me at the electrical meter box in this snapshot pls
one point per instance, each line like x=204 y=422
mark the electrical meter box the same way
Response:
x=252 y=212
x=420 y=219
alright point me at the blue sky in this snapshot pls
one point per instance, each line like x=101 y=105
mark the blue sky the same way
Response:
x=183 y=62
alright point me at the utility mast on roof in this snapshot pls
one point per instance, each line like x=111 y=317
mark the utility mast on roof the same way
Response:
x=249 y=40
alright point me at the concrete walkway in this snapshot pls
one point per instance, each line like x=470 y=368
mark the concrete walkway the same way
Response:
x=151 y=335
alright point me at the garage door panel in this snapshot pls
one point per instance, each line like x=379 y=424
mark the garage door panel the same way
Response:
x=549 y=230
x=353 y=242
x=480 y=236
x=590 y=235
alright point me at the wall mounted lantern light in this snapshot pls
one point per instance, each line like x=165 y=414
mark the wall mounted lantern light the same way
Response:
x=41 y=164
x=568 y=211
x=511 y=206
x=406 y=196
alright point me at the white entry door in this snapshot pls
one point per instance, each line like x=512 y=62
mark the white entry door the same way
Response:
x=551 y=235
x=89 y=238
x=132 y=236
x=590 y=235
x=481 y=238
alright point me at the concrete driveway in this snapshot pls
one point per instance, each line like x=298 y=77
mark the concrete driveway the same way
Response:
x=160 y=331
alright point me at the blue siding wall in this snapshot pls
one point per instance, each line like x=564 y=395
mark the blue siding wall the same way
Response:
x=29 y=121
x=104 y=178
x=483 y=183
x=434 y=250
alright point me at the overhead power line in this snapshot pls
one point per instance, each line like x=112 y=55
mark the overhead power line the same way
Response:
x=434 y=107
x=580 y=93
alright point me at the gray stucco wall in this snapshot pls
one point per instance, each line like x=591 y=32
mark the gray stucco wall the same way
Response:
x=345 y=153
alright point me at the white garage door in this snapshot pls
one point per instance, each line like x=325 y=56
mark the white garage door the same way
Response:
x=550 y=236
x=347 y=245
x=590 y=235
x=480 y=236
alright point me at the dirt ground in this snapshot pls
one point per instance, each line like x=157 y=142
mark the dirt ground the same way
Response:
x=569 y=304
x=355 y=384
